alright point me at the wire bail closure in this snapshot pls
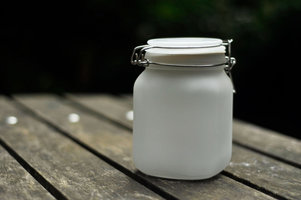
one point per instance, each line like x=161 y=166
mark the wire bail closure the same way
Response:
x=138 y=57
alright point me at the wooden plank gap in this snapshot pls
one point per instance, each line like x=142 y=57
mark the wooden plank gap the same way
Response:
x=252 y=185
x=48 y=186
x=297 y=165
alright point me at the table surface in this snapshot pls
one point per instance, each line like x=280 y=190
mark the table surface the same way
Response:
x=79 y=147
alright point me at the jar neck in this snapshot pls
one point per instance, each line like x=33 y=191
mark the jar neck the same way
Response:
x=193 y=69
x=182 y=72
x=175 y=60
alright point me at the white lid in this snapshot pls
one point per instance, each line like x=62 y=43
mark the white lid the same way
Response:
x=186 y=51
x=186 y=45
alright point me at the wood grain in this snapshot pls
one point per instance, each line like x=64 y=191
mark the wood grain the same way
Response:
x=16 y=182
x=264 y=140
x=71 y=169
x=107 y=105
x=271 y=142
x=267 y=173
x=116 y=143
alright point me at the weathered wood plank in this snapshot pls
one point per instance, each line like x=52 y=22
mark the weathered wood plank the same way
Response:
x=16 y=182
x=116 y=143
x=267 y=141
x=112 y=107
x=271 y=142
x=275 y=176
x=75 y=172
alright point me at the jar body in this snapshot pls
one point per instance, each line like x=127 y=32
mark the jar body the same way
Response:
x=182 y=122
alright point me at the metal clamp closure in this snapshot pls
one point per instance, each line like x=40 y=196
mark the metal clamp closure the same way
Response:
x=138 y=57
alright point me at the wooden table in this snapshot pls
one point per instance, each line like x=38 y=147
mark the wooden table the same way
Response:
x=79 y=147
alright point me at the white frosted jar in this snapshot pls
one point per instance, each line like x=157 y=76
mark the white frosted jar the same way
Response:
x=183 y=112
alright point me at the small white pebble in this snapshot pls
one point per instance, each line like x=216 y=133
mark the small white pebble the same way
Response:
x=240 y=164
x=73 y=118
x=11 y=120
x=245 y=164
x=129 y=115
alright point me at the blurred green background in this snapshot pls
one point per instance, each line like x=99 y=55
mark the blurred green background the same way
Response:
x=85 y=46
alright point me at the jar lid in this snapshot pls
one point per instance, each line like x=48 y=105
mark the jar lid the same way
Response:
x=183 y=52
x=186 y=46
x=185 y=42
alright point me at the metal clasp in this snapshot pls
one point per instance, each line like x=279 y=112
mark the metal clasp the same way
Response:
x=231 y=61
x=138 y=56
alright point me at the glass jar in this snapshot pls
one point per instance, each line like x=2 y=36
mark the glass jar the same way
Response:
x=183 y=108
